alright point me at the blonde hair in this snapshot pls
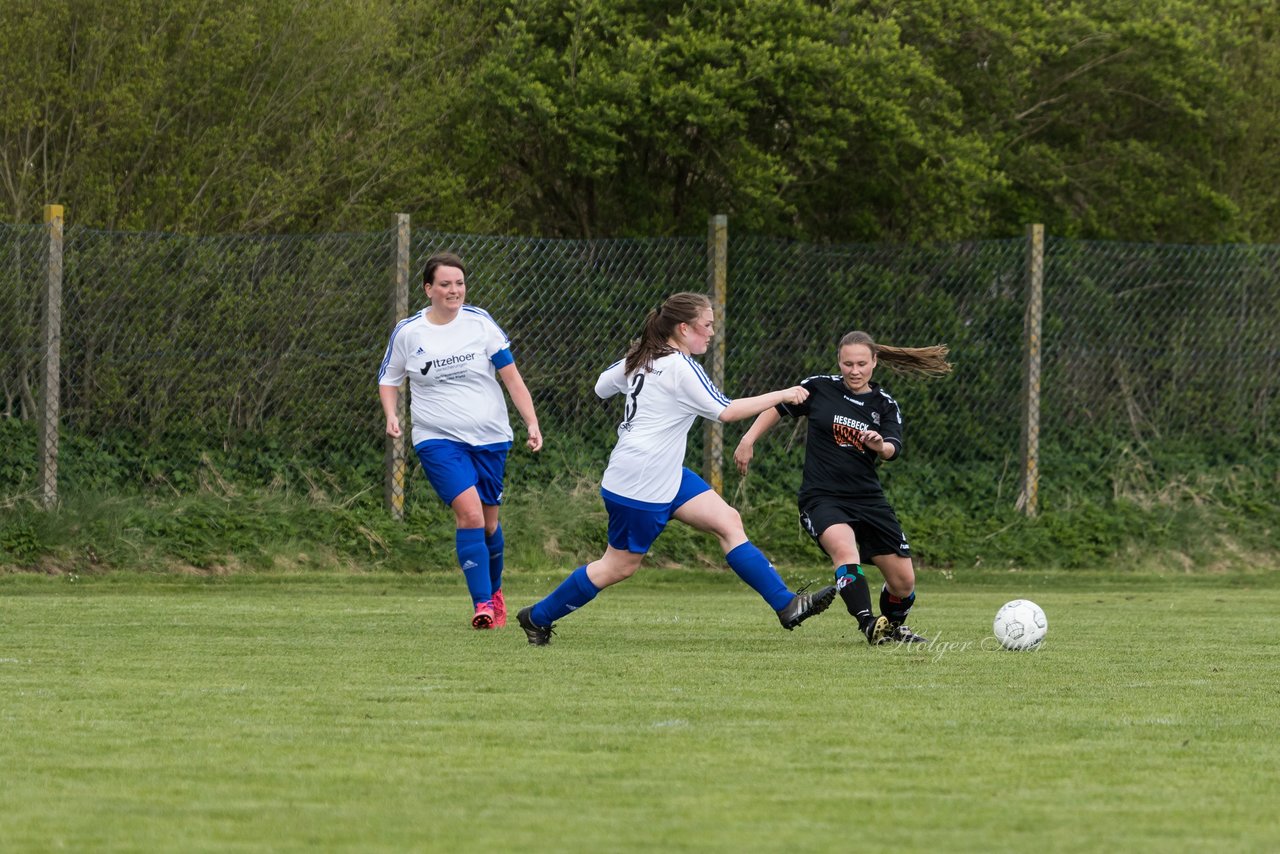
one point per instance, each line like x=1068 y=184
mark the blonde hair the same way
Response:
x=928 y=361
x=660 y=324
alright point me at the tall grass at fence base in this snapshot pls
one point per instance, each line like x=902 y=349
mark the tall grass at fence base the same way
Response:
x=1221 y=518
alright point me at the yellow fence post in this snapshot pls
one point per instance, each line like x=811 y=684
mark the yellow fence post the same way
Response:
x=50 y=379
x=397 y=448
x=1028 y=495
x=718 y=284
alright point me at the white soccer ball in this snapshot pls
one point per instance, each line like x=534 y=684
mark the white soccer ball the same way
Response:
x=1020 y=624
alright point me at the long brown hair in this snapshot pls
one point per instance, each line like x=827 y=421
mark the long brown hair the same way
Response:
x=660 y=325
x=929 y=361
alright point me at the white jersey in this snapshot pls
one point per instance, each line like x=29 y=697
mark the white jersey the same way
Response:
x=661 y=405
x=452 y=370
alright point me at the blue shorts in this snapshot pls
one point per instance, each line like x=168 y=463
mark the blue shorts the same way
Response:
x=635 y=525
x=454 y=467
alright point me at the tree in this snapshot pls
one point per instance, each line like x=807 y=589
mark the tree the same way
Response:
x=793 y=117
x=862 y=121
x=1249 y=168
x=216 y=115
x=1104 y=117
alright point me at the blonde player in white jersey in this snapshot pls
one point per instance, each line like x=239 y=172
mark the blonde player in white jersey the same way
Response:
x=454 y=354
x=646 y=484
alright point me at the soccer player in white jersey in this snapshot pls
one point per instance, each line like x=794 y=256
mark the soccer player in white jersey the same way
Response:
x=646 y=484
x=454 y=354
x=854 y=426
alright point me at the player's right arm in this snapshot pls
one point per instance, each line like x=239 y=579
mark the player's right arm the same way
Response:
x=746 y=449
x=391 y=374
x=390 y=397
x=765 y=422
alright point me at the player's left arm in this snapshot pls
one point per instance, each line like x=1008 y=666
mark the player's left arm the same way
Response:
x=523 y=400
x=886 y=442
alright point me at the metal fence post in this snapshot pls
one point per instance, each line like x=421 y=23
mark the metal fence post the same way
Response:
x=718 y=284
x=1028 y=495
x=396 y=448
x=50 y=375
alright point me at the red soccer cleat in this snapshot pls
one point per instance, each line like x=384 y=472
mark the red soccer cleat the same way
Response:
x=483 y=618
x=499 y=610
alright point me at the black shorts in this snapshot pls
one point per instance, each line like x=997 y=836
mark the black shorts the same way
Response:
x=875 y=525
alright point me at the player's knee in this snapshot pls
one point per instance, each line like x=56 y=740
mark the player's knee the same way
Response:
x=613 y=567
x=901 y=583
x=729 y=524
x=620 y=570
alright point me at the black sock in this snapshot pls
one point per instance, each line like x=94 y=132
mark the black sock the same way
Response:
x=853 y=588
x=895 y=608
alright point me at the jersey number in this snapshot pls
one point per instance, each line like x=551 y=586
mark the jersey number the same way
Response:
x=633 y=399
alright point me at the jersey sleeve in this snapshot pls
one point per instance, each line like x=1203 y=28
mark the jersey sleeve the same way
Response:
x=612 y=381
x=497 y=346
x=392 y=369
x=798 y=410
x=695 y=390
x=891 y=425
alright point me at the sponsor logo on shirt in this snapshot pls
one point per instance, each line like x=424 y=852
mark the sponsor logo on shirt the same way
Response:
x=450 y=361
x=845 y=431
x=458 y=361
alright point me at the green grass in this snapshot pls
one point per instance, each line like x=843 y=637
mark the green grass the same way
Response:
x=358 y=712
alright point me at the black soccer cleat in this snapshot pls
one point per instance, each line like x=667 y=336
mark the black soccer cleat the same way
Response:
x=804 y=606
x=538 y=635
x=898 y=633
x=876 y=630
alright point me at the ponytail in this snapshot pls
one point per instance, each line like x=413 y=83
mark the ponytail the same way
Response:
x=927 y=361
x=659 y=325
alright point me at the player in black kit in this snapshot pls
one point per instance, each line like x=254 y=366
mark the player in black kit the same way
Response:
x=853 y=425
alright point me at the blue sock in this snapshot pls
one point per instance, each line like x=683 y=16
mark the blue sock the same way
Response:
x=473 y=557
x=754 y=568
x=495 y=543
x=574 y=592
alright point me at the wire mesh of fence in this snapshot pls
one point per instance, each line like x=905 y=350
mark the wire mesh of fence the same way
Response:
x=263 y=351
x=790 y=304
x=23 y=257
x=174 y=347
x=571 y=307
x=1162 y=344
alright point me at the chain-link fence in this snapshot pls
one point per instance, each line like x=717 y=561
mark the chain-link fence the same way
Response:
x=569 y=306
x=23 y=256
x=1163 y=344
x=181 y=355
x=173 y=349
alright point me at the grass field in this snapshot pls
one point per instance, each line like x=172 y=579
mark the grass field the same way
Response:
x=359 y=713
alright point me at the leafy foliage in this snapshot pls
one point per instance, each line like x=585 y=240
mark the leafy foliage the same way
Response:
x=213 y=116
x=842 y=121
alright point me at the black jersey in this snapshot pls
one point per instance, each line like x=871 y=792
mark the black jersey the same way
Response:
x=836 y=464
